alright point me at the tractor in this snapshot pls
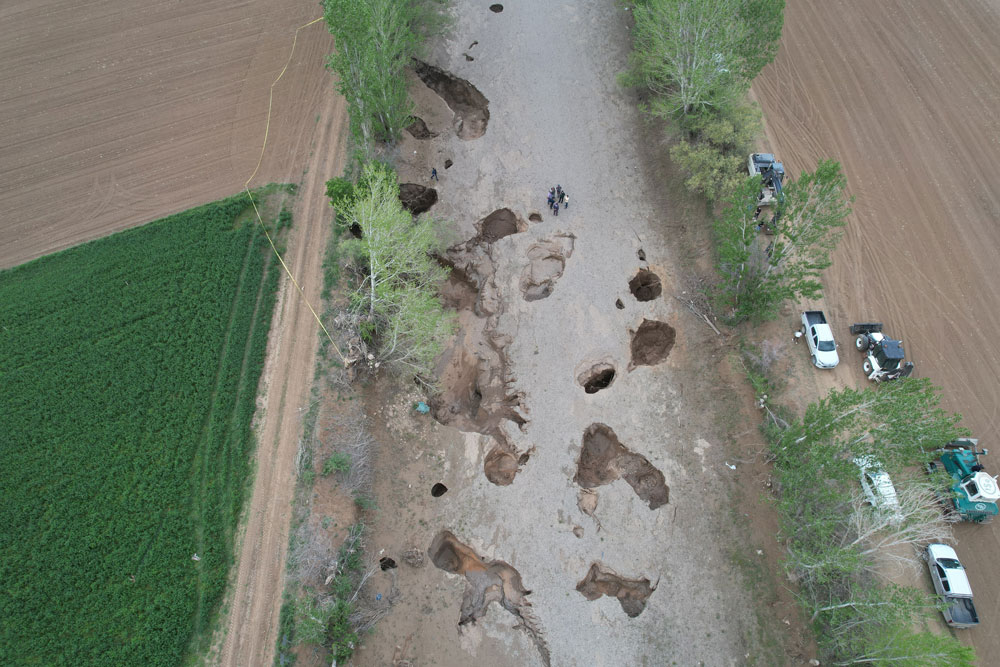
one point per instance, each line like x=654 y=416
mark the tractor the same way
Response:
x=884 y=356
x=974 y=494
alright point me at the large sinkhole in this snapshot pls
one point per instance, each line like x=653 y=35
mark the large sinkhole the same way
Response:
x=603 y=459
x=417 y=198
x=596 y=378
x=645 y=285
x=498 y=224
x=651 y=343
x=471 y=108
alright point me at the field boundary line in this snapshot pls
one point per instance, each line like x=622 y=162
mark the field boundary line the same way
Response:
x=246 y=187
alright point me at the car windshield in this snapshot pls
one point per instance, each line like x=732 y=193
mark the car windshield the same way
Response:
x=826 y=346
x=950 y=564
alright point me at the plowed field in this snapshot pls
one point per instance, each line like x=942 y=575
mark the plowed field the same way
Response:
x=115 y=113
x=906 y=96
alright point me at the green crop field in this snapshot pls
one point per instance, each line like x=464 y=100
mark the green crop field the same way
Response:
x=128 y=377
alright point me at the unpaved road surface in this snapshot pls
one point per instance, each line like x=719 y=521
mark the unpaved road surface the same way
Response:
x=905 y=95
x=115 y=113
x=557 y=115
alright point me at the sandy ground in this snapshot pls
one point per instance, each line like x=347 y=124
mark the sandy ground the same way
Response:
x=905 y=95
x=114 y=113
x=557 y=115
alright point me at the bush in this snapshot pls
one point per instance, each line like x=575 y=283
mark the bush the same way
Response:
x=337 y=462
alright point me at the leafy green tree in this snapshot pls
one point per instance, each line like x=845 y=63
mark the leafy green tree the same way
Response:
x=401 y=316
x=714 y=148
x=699 y=54
x=375 y=41
x=757 y=278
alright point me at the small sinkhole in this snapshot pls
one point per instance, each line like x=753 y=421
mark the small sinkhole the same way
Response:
x=386 y=563
x=597 y=377
x=497 y=8
x=645 y=285
x=439 y=490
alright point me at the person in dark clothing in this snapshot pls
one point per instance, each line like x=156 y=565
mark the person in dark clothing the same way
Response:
x=434 y=173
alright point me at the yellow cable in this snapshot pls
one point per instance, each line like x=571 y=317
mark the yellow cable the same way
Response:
x=246 y=186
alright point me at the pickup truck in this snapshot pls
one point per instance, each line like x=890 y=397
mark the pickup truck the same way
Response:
x=819 y=338
x=952 y=584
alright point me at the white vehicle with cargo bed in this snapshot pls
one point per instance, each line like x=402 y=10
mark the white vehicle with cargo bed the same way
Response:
x=952 y=584
x=819 y=338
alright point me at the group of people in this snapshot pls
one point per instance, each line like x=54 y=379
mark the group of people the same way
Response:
x=557 y=196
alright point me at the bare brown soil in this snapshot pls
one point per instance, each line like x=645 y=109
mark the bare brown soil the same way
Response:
x=116 y=113
x=904 y=95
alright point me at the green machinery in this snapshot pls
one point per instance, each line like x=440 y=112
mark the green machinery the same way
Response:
x=974 y=493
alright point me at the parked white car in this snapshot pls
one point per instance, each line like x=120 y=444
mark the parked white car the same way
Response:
x=819 y=338
x=877 y=485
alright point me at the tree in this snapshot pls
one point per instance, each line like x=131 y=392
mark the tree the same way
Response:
x=756 y=280
x=399 y=312
x=700 y=54
x=375 y=41
x=713 y=149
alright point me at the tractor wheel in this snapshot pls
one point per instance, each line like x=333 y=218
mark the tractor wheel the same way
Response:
x=862 y=342
x=867 y=368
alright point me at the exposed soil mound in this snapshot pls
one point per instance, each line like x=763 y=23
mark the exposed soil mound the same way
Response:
x=596 y=378
x=631 y=593
x=645 y=285
x=604 y=459
x=651 y=343
x=418 y=128
x=472 y=109
x=547 y=260
x=487 y=582
x=417 y=198
x=498 y=224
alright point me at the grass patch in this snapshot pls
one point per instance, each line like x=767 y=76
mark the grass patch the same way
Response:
x=131 y=366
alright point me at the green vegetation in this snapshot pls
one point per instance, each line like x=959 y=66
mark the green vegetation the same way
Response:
x=835 y=540
x=130 y=371
x=756 y=279
x=697 y=59
x=337 y=462
x=399 y=315
x=375 y=41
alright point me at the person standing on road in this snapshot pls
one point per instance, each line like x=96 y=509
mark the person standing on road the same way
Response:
x=434 y=174
x=555 y=209
x=552 y=197
x=565 y=200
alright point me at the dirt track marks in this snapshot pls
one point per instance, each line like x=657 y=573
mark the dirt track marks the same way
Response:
x=288 y=376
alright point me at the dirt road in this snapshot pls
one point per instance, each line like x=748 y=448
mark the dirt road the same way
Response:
x=905 y=95
x=114 y=113
x=558 y=116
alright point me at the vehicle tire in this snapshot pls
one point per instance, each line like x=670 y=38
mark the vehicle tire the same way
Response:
x=867 y=367
x=862 y=342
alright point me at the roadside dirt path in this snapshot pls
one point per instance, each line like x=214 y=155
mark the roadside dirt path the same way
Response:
x=288 y=374
x=905 y=95
x=113 y=114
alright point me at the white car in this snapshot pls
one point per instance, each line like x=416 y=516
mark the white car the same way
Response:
x=877 y=485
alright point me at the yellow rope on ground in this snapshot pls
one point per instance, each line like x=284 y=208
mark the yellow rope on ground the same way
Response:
x=246 y=186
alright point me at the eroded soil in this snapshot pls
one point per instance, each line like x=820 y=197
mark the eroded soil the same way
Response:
x=631 y=593
x=604 y=459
